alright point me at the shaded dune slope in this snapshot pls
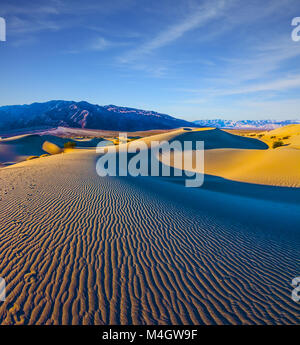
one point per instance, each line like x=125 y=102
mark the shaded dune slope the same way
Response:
x=216 y=138
x=16 y=149
x=213 y=139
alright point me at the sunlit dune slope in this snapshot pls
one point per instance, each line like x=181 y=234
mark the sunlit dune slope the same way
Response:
x=286 y=130
x=278 y=167
x=289 y=135
x=250 y=160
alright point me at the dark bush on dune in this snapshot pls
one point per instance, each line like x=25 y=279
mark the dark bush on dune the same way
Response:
x=277 y=143
x=31 y=158
x=69 y=145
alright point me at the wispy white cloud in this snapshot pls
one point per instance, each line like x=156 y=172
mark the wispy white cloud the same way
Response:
x=100 y=43
x=278 y=109
x=283 y=84
x=18 y=26
x=203 y=14
x=264 y=59
x=32 y=18
x=265 y=69
x=157 y=71
x=35 y=17
x=72 y=7
x=97 y=44
x=12 y=8
x=275 y=85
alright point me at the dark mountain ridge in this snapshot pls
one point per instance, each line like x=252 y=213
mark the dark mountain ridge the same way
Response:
x=85 y=115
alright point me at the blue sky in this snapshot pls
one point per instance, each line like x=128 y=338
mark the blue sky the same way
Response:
x=193 y=59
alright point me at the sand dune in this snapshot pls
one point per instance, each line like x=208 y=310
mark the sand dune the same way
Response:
x=250 y=160
x=90 y=133
x=286 y=130
x=279 y=167
x=19 y=148
x=79 y=249
x=290 y=135
x=213 y=138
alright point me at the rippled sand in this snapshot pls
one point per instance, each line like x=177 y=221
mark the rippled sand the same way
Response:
x=79 y=249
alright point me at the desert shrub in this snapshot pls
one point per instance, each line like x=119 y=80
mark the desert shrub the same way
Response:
x=260 y=135
x=277 y=143
x=252 y=135
x=273 y=136
x=287 y=137
x=31 y=157
x=69 y=145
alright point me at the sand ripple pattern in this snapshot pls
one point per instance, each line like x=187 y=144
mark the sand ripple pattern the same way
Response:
x=79 y=249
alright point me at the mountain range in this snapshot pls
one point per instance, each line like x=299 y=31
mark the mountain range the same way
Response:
x=85 y=115
x=110 y=117
x=245 y=124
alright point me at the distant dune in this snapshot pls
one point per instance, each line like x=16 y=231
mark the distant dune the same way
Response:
x=73 y=132
x=76 y=248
